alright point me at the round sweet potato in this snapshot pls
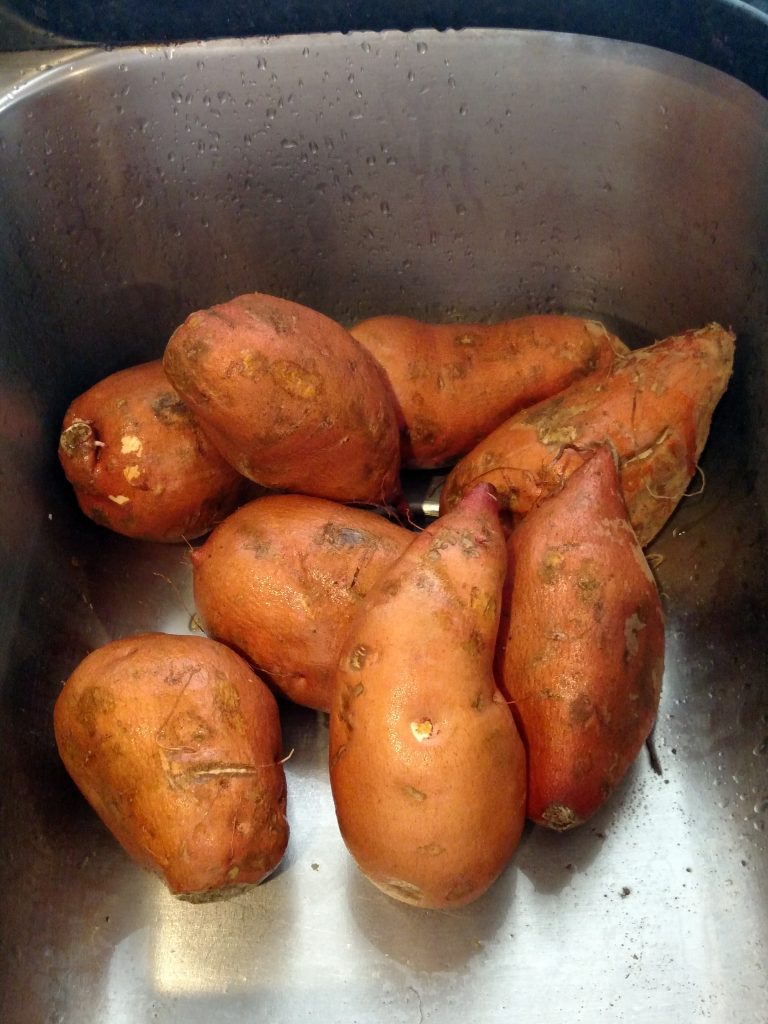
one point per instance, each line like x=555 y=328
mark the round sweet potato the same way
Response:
x=139 y=463
x=454 y=383
x=176 y=744
x=281 y=579
x=289 y=398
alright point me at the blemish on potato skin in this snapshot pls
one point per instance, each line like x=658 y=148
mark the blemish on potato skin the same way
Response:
x=581 y=710
x=296 y=380
x=551 y=564
x=77 y=440
x=459 y=890
x=337 y=756
x=391 y=587
x=130 y=444
x=357 y=657
x=422 y=729
x=560 y=818
x=259 y=548
x=474 y=644
x=185 y=730
x=169 y=410
x=92 y=702
x=280 y=322
x=466 y=339
x=633 y=625
x=227 y=702
x=431 y=849
x=406 y=891
x=414 y=794
x=582 y=766
x=340 y=537
x=424 y=431
x=479 y=702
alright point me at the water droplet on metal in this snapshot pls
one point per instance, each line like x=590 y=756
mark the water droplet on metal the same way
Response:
x=421 y=47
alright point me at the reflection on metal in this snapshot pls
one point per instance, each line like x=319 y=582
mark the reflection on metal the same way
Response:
x=474 y=174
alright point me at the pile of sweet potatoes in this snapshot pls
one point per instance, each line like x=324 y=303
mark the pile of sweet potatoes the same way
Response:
x=504 y=662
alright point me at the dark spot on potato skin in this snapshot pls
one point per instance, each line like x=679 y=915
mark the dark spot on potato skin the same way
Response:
x=581 y=709
x=460 y=889
x=414 y=793
x=169 y=410
x=339 y=537
x=424 y=431
x=474 y=644
x=551 y=566
x=259 y=548
x=185 y=729
x=93 y=702
x=98 y=516
x=391 y=587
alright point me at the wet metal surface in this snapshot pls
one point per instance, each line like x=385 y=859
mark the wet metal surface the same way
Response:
x=463 y=175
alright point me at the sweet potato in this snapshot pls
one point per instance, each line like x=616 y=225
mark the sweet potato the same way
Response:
x=175 y=743
x=289 y=398
x=427 y=768
x=581 y=644
x=654 y=405
x=454 y=383
x=281 y=580
x=138 y=462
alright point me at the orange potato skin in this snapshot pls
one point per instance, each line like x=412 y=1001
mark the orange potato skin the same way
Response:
x=427 y=767
x=282 y=578
x=138 y=462
x=653 y=405
x=455 y=383
x=581 y=647
x=289 y=398
x=175 y=743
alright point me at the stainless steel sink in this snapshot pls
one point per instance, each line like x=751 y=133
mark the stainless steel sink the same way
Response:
x=462 y=174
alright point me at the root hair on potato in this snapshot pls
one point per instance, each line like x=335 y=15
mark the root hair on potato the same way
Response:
x=190 y=612
x=700 y=490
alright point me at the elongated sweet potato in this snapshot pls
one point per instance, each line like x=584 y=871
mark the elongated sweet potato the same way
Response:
x=654 y=405
x=427 y=768
x=281 y=580
x=175 y=743
x=581 y=644
x=289 y=398
x=455 y=383
x=139 y=463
